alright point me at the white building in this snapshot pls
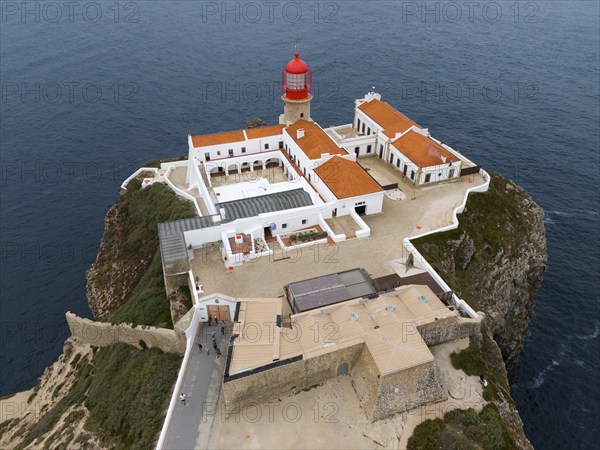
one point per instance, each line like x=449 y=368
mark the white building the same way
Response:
x=317 y=175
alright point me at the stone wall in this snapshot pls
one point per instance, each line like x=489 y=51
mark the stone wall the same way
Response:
x=408 y=389
x=103 y=334
x=450 y=329
x=265 y=386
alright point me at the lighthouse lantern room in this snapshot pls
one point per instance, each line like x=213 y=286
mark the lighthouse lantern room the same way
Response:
x=296 y=80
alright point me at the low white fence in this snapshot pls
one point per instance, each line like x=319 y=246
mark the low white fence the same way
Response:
x=181 y=192
x=335 y=237
x=364 y=231
x=154 y=170
x=464 y=306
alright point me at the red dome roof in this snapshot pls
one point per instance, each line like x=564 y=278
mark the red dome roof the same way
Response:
x=296 y=65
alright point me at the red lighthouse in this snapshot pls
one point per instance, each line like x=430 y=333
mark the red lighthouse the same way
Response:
x=296 y=79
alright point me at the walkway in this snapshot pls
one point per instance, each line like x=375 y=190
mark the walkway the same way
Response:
x=191 y=423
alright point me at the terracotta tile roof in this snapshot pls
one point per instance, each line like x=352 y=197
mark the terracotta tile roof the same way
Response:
x=423 y=151
x=346 y=178
x=218 y=138
x=315 y=141
x=261 y=132
x=387 y=117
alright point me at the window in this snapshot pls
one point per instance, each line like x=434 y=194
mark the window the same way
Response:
x=301 y=114
x=207 y=156
x=303 y=221
x=391 y=159
x=266 y=146
x=398 y=163
x=358 y=124
x=305 y=171
x=363 y=128
x=230 y=152
x=284 y=225
x=451 y=173
x=369 y=130
x=412 y=175
x=368 y=149
x=405 y=169
x=243 y=149
x=218 y=152
x=280 y=144
x=427 y=178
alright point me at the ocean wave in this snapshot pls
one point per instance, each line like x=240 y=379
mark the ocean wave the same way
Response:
x=577 y=213
x=565 y=350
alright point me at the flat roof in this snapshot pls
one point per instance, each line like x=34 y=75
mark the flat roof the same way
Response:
x=315 y=141
x=253 y=206
x=386 y=325
x=329 y=289
x=346 y=178
x=390 y=119
x=422 y=150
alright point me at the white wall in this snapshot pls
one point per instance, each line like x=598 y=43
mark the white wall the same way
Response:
x=221 y=151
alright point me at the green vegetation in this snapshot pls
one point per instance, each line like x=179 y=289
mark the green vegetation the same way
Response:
x=472 y=362
x=307 y=236
x=140 y=211
x=126 y=391
x=148 y=303
x=463 y=429
x=128 y=395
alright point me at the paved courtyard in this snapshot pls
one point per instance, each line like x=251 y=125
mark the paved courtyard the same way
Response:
x=424 y=209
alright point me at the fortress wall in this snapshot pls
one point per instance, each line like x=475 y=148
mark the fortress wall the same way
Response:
x=365 y=379
x=103 y=334
x=450 y=329
x=265 y=386
x=408 y=389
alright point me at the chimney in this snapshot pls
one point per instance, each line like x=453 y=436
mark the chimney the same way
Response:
x=300 y=133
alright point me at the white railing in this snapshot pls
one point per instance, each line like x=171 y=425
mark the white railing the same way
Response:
x=364 y=231
x=212 y=210
x=136 y=173
x=181 y=192
x=417 y=256
x=335 y=237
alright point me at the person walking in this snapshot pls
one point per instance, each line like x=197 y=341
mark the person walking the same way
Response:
x=207 y=350
x=200 y=347
x=222 y=330
x=182 y=398
x=218 y=350
x=215 y=345
x=210 y=321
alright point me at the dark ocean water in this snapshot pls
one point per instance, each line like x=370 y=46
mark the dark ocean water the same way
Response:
x=87 y=99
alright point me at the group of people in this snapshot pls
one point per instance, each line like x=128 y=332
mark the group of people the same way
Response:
x=216 y=348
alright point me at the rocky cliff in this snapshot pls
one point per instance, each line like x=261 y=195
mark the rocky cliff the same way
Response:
x=495 y=261
x=129 y=245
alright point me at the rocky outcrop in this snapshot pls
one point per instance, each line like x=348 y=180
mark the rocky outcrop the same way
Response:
x=112 y=277
x=495 y=260
x=129 y=243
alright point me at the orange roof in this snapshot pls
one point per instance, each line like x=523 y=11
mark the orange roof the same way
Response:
x=387 y=117
x=423 y=151
x=346 y=178
x=261 y=132
x=218 y=138
x=315 y=141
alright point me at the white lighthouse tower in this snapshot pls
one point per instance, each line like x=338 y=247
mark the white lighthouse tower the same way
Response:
x=296 y=82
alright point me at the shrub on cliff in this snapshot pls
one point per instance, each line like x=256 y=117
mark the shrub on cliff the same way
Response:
x=129 y=245
x=463 y=429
